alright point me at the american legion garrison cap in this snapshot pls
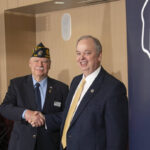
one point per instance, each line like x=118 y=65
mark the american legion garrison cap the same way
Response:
x=41 y=51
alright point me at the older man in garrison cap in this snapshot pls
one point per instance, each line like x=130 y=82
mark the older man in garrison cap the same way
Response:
x=29 y=100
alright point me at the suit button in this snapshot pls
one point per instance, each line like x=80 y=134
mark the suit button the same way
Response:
x=69 y=136
x=34 y=136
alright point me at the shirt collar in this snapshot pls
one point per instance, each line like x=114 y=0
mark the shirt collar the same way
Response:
x=93 y=75
x=42 y=82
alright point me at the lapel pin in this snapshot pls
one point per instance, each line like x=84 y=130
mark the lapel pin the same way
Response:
x=92 y=90
x=50 y=89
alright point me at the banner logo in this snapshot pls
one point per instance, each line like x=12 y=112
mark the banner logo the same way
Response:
x=145 y=37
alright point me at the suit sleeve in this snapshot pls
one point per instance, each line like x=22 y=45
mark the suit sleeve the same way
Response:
x=53 y=121
x=9 y=108
x=116 y=119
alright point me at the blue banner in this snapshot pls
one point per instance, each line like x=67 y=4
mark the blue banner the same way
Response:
x=138 y=40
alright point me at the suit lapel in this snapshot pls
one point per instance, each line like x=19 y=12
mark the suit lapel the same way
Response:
x=30 y=92
x=96 y=85
x=71 y=93
x=49 y=94
x=69 y=98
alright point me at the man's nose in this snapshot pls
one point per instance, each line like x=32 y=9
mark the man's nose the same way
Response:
x=40 y=63
x=82 y=56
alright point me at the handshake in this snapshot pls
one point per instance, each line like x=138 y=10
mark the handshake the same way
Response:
x=35 y=118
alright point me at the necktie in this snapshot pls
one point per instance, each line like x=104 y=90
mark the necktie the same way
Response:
x=71 y=112
x=38 y=96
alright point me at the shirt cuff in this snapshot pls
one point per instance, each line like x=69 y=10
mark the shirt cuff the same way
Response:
x=23 y=117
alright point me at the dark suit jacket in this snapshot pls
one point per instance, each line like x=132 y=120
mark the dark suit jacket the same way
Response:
x=20 y=96
x=101 y=120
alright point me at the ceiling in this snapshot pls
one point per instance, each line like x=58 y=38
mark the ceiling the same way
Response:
x=56 y=5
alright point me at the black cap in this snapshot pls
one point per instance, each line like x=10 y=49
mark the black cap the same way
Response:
x=41 y=51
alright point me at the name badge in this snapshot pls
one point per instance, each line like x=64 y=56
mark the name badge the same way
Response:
x=57 y=104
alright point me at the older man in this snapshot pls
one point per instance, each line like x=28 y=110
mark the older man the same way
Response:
x=96 y=112
x=29 y=99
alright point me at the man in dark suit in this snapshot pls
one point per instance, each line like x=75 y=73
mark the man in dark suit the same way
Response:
x=99 y=121
x=29 y=100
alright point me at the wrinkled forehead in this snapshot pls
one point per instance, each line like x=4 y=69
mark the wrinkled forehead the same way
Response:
x=39 y=59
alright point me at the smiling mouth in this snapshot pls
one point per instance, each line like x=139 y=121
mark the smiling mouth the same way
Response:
x=40 y=68
x=83 y=63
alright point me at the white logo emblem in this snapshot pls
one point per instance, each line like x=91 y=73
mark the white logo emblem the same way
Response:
x=145 y=37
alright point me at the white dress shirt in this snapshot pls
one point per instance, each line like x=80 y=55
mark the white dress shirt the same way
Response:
x=89 y=80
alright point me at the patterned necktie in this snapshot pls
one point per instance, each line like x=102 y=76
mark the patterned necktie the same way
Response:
x=38 y=96
x=71 y=112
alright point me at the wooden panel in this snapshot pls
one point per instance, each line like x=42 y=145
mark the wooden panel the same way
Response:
x=3 y=73
x=3 y=6
x=12 y=4
x=105 y=21
x=20 y=41
x=37 y=7
x=30 y=2
x=20 y=3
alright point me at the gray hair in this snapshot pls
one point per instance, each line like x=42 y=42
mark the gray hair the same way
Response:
x=97 y=43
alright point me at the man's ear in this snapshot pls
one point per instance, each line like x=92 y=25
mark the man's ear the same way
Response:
x=29 y=62
x=100 y=57
x=49 y=64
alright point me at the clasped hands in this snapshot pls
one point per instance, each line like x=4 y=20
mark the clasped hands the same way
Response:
x=35 y=118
